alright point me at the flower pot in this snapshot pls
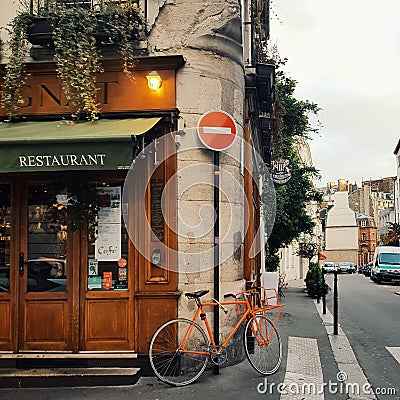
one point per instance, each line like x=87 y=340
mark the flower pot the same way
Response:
x=40 y=32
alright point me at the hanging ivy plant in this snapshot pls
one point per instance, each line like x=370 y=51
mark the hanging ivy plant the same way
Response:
x=11 y=94
x=72 y=201
x=77 y=58
x=125 y=27
x=75 y=38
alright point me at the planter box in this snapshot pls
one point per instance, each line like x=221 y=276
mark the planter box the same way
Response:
x=40 y=32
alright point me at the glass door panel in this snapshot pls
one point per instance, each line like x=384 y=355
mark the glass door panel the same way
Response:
x=5 y=236
x=47 y=246
x=108 y=247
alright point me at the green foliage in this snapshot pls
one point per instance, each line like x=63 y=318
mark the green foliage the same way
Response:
x=11 y=94
x=293 y=120
x=315 y=282
x=75 y=47
x=293 y=117
x=271 y=262
x=308 y=248
x=124 y=26
x=392 y=238
x=77 y=58
x=292 y=219
x=79 y=207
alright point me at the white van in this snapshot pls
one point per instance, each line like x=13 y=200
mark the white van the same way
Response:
x=386 y=266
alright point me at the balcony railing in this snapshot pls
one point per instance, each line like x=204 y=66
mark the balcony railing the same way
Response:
x=40 y=7
x=44 y=15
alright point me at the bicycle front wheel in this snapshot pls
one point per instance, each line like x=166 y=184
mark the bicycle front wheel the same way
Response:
x=262 y=344
x=179 y=352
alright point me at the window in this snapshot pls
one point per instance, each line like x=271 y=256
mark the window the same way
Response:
x=363 y=223
x=363 y=236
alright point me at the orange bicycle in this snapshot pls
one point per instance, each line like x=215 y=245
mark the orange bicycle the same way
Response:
x=180 y=348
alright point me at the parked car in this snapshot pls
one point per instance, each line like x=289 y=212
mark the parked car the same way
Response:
x=353 y=268
x=345 y=267
x=329 y=267
x=386 y=265
x=365 y=269
x=361 y=269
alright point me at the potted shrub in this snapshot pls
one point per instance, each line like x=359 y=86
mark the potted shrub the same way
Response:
x=315 y=282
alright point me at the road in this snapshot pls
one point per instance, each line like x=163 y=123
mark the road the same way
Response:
x=369 y=314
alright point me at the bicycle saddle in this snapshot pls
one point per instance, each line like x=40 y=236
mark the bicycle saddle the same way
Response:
x=196 y=295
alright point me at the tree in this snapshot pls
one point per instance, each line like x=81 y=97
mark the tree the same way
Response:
x=308 y=248
x=392 y=238
x=292 y=120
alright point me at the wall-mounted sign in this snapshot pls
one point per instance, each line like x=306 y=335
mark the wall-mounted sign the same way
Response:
x=107 y=280
x=43 y=94
x=156 y=257
x=281 y=171
x=93 y=267
x=216 y=130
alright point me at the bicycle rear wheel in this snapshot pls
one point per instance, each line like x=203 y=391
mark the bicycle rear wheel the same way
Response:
x=262 y=344
x=169 y=363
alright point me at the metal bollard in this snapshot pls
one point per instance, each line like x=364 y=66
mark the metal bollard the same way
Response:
x=324 y=295
x=335 y=303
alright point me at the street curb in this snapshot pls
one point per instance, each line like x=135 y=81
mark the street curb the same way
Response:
x=349 y=368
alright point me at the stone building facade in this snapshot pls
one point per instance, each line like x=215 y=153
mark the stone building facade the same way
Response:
x=368 y=238
x=207 y=59
x=341 y=231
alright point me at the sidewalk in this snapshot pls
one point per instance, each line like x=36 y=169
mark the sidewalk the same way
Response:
x=302 y=332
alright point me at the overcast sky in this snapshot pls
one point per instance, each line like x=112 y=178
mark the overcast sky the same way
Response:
x=345 y=55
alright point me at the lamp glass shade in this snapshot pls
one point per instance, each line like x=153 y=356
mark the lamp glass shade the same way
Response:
x=154 y=80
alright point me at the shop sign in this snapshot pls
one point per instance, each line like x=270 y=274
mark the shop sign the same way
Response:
x=62 y=160
x=281 y=171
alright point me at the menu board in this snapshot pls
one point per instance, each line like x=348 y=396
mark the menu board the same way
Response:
x=157 y=218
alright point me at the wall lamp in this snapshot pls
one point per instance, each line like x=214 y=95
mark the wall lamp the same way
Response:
x=154 y=80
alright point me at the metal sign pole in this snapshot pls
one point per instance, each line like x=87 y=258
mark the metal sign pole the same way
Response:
x=324 y=294
x=217 y=131
x=216 y=251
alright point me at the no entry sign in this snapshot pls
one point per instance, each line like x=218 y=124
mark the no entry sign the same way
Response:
x=216 y=130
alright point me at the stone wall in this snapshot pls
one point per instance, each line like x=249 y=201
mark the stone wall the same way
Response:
x=208 y=35
x=338 y=256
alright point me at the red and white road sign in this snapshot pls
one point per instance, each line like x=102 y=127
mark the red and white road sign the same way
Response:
x=216 y=130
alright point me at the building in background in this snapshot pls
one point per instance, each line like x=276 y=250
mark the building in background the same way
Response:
x=368 y=238
x=341 y=231
x=396 y=187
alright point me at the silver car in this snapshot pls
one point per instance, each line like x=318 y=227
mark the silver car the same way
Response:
x=329 y=267
x=346 y=267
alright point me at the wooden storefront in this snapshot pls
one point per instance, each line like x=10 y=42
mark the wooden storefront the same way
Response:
x=64 y=290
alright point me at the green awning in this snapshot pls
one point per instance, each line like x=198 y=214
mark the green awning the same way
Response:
x=62 y=146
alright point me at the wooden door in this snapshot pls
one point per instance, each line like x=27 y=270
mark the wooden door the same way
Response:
x=7 y=273
x=45 y=275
